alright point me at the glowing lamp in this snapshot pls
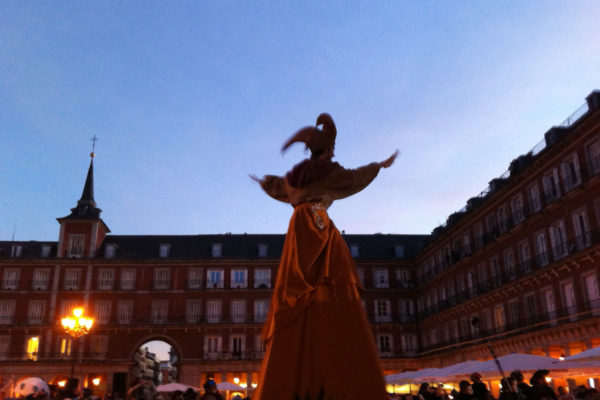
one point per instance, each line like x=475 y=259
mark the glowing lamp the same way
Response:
x=236 y=380
x=62 y=384
x=78 y=326
x=254 y=385
x=96 y=381
x=243 y=385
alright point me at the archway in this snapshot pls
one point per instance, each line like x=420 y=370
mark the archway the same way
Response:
x=156 y=359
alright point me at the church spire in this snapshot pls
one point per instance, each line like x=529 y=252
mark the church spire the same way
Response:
x=86 y=206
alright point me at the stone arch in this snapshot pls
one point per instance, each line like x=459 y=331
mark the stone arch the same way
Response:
x=157 y=336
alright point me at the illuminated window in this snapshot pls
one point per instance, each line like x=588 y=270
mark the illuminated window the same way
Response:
x=33 y=345
x=65 y=346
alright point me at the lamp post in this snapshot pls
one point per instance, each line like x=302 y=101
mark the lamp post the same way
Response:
x=76 y=326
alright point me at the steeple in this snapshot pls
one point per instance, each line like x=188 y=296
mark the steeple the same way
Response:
x=82 y=231
x=86 y=206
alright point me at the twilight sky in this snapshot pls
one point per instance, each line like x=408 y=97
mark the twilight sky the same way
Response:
x=189 y=97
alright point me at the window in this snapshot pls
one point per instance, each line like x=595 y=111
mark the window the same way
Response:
x=499 y=318
x=490 y=222
x=509 y=264
x=516 y=205
x=160 y=311
x=466 y=244
x=399 y=251
x=548 y=297
x=65 y=344
x=383 y=311
x=384 y=344
x=593 y=152
x=72 y=277
x=212 y=347
x=67 y=307
x=238 y=311
x=106 y=277
x=239 y=278
x=110 y=250
x=541 y=248
x=237 y=346
x=592 y=293
x=75 y=246
x=403 y=277
x=31 y=348
x=551 y=188
x=514 y=313
x=381 y=277
x=479 y=235
x=124 y=312
x=36 y=311
x=262 y=278
x=16 y=251
x=406 y=310
x=568 y=293
x=7 y=311
x=99 y=346
x=502 y=219
x=213 y=311
x=46 y=251
x=4 y=347
x=193 y=311
x=535 y=203
x=10 y=279
x=261 y=308
x=263 y=250
x=162 y=278
x=409 y=344
x=194 y=279
x=128 y=278
x=102 y=311
x=558 y=239
x=530 y=306
x=581 y=225
x=354 y=250
x=215 y=279
x=524 y=257
x=571 y=172
x=259 y=344
x=217 y=250
x=163 y=250
x=41 y=279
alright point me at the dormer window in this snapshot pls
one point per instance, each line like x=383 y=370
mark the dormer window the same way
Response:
x=109 y=250
x=263 y=250
x=354 y=250
x=164 y=250
x=75 y=246
x=217 y=250
x=16 y=251
x=399 y=251
x=46 y=251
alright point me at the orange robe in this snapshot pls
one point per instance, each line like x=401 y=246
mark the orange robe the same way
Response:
x=319 y=342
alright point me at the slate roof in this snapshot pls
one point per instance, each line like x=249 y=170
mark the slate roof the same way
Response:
x=234 y=246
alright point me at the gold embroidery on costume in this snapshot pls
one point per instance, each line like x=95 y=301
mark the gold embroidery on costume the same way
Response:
x=318 y=220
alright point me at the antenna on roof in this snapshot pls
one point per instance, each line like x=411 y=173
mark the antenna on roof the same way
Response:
x=13 y=235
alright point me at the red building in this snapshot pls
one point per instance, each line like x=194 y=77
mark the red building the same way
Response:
x=517 y=267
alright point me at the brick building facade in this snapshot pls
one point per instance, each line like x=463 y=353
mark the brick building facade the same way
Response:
x=517 y=267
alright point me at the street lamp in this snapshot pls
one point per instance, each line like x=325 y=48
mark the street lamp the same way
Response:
x=76 y=326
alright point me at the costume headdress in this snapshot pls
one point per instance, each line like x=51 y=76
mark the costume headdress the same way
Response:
x=314 y=138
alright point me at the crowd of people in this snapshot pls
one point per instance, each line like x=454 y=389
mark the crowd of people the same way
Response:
x=513 y=387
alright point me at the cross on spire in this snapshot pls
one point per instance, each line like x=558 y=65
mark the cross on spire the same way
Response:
x=94 y=140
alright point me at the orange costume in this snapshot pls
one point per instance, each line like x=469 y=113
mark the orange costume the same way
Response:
x=319 y=342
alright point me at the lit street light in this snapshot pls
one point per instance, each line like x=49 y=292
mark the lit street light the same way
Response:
x=76 y=326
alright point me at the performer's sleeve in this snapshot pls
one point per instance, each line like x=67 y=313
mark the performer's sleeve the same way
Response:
x=346 y=182
x=274 y=186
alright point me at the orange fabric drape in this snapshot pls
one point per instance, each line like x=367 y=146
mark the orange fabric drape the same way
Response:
x=318 y=337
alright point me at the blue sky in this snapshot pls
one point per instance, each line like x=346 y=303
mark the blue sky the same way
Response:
x=187 y=98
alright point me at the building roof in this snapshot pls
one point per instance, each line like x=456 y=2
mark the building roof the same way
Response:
x=86 y=206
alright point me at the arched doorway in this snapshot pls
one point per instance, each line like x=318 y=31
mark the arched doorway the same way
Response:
x=156 y=360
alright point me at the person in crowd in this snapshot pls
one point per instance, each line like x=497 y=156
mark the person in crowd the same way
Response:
x=439 y=393
x=480 y=390
x=190 y=394
x=510 y=390
x=540 y=388
x=425 y=392
x=465 y=392
x=523 y=386
x=564 y=394
x=141 y=390
x=211 y=391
